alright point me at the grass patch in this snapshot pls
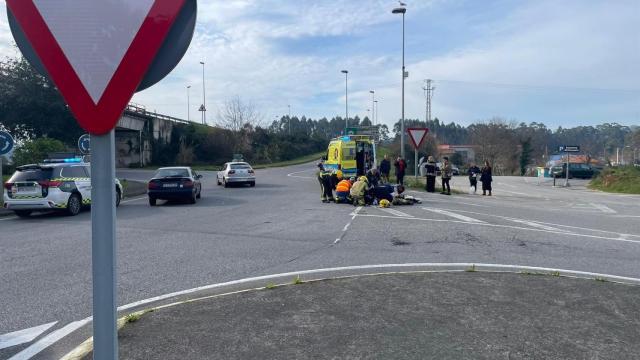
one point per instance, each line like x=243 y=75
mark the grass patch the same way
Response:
x=271 y=286
x=555 y=273
x=471 y=268
x=297 y=280
x=600 y=279
x=131 y=318
x=524 y=272
x=623 y=179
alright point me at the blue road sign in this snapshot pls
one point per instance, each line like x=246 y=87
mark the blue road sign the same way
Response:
x=6 y=143
x=569 y=148
x=84 y=144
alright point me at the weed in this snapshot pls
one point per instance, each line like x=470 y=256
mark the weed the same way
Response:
x=131 y=318
x=601 y=279
x=471 y=268
x=555 y=273
x=271 y=286
x=297 y=280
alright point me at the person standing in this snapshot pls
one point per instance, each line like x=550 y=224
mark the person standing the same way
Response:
x=385 y=169
x=400 y=166
x=430 y=169
x=473 y=177
x=446 y=176
x=486 y=178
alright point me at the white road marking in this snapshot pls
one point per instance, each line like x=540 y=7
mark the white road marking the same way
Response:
x=49 y=340
x=535 y=225
x=134 y=199
x=293 y=174
x=23 y=336
x=454 y=215
x=8 y=218
x=395 y=212
x=604 y=208
x=346 y=227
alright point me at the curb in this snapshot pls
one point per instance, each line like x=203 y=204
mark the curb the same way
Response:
x=134 y=188
x=316 y=275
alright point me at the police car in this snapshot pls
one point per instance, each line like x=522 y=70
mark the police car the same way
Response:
x=56 y=184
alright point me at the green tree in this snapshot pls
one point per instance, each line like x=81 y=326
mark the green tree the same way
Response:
x=34 y=151
x=525 y=155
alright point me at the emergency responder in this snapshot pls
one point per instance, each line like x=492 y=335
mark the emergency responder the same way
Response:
x=342 y=191
x=328 y=181
x=359 y=191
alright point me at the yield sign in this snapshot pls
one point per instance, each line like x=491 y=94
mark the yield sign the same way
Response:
x=417 y=136
x=96 y=52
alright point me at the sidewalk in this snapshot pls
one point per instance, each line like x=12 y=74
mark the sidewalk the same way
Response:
x=462 y=315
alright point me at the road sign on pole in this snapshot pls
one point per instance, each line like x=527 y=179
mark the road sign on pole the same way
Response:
x=569 y=148
x=84 y=144
x=6 y=146
x=417 y=136
x=98 y=53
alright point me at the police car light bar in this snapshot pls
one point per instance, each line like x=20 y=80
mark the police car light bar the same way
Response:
x=67 y=160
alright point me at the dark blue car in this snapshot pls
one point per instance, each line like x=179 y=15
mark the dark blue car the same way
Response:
x=175 y=183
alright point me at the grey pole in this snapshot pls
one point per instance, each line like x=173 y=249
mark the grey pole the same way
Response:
x=103 y=246
x=403 y=72
x=289 y=119
x=373 y=106
x=204 y=104
x=346 y=101
x=188 y=104
x=566 y=181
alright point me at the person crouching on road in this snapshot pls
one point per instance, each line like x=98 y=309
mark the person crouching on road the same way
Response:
x=359 y=191
x=430 y=169
x=473 y=177
x=342 y=191
x=446 y=176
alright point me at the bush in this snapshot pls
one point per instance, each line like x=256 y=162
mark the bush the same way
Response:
x=624 y=179
x=34 y=151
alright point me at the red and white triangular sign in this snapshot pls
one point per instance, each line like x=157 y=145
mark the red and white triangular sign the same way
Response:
x=95 y=51
x=417 y=135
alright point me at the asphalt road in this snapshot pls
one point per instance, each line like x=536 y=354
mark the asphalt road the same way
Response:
x=281 y=225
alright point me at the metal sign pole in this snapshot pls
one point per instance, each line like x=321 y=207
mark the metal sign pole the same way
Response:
x=566 y=181
x=103 y=246
x=415 y=162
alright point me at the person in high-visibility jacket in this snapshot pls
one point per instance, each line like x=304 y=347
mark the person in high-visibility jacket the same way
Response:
x=342 y=191
x=328 y=181
x=359 y=191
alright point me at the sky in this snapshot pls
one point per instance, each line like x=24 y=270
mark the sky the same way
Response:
x=564 y=63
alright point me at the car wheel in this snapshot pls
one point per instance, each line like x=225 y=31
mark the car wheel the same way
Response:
x=218 y=180
x=193 y=198
x=74 y=205
x=199 y=196
x=22 y=213
x=152 y=201
x=118 y=197
x=225 y=183
x=252 y=184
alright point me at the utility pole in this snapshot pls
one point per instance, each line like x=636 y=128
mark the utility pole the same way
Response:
x=346 y=100
x=375 y=115
x=289 y=119
x=188 y=104
x=428 y=94
x=204 y=105
x=373 y=105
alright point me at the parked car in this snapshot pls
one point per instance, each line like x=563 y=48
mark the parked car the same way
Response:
x=583 y=171
x=455 y=170
x=236 y=173
x=175 y=183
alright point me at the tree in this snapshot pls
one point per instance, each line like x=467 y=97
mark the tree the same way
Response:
x=34 y=151
x=525 y=156
x=235 y=114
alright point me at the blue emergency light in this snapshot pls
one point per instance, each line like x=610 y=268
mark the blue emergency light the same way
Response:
x=66 y=160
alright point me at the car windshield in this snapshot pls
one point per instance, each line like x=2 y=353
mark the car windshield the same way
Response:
x=240 y=166
x=165 y=173
x=37 y=174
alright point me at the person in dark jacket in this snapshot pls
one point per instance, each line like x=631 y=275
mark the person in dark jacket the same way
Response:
x=373 y=176
x=486 y=178
x=473 y=176
x=430 y=169
x=400 y=166
x=385 y=169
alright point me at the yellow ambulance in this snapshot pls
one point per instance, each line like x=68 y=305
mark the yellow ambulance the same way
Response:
x=353 y=154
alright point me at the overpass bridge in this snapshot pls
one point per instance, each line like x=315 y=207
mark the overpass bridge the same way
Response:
x=136 y=132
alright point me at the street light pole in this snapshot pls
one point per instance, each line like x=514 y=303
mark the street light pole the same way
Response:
x=204 y=103
x=346 y=101
x=402 y=10
x=375 y=114
x=188 y=104
x=373 y=105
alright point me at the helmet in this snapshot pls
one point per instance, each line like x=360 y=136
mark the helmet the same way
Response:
x=384 y=203
x=363 y=178
x=352 y=179
x=339 y=174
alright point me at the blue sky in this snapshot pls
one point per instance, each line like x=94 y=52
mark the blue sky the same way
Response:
x=564 y=63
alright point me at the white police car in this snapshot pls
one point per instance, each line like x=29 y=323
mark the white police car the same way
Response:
x=58 y=184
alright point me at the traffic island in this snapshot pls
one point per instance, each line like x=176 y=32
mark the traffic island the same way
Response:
x=437 y=315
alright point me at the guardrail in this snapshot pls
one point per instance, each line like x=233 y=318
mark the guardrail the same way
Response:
x=140 y=110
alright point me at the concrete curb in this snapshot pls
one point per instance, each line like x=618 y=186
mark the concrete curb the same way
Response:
x=276 y=280
x=134 y=188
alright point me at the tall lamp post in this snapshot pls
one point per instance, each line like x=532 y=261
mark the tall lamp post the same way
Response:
x=373 y=105
x=204 y=104
x=188 y=104
x=375 y=115
x=346 y=101
x=289 y=106
x=402 y=10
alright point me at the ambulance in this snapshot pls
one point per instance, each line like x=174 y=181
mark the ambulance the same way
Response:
x=353 y=154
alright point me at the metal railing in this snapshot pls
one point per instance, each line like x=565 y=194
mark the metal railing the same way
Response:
x=138 y=109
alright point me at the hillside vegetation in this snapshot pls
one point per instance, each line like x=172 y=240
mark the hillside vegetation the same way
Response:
x=624 y=179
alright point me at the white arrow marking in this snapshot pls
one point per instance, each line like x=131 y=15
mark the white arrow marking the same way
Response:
x=23 y=336
x=454 y=215
x=94 y=35
x=396 y=212
x=603 y=208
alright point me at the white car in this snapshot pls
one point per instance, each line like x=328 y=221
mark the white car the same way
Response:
x=236 y=173
x=63 y=185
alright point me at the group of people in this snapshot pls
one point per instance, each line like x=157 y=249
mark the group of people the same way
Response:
x=484 y=175
x=431 y=170
x=370 y=189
